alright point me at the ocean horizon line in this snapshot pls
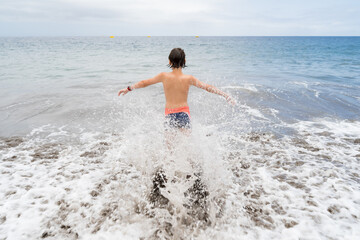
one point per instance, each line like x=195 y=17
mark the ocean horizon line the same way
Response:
x=149 y=36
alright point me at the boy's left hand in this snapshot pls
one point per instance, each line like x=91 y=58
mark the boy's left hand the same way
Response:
x=231 y=100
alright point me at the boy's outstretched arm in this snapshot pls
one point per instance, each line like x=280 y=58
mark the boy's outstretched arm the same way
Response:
x=197 y=83
x=144 y=83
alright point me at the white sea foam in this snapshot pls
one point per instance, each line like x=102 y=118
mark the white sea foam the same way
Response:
x=306 y=85
x=55 y=184
x=248 y=87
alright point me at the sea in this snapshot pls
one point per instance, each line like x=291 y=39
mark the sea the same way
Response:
x=79 y=162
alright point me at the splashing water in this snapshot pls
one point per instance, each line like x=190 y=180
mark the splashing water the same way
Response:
x=60 y=183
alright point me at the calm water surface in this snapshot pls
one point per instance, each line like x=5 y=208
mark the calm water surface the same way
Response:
x=78 y=161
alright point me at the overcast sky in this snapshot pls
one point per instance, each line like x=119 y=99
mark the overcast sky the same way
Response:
x=179 y=18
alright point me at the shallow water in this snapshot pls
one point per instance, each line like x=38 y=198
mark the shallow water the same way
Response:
x=78 y=162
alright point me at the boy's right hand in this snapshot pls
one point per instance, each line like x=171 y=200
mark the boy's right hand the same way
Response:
x=123 y=91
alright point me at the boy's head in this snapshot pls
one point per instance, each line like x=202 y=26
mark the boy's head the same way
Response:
x=177 y=58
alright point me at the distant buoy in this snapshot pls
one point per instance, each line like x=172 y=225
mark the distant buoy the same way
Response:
x=111 y=36
x=148 y=36
x=196 y=36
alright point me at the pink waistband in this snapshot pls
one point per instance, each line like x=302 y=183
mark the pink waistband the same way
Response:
x=176 y=110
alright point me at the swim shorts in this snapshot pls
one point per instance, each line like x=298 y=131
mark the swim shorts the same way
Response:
x=178 y=117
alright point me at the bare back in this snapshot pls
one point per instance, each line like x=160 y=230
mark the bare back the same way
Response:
x=176 y=88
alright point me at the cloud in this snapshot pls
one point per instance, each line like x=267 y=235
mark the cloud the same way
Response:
x=186 y=17
x=154 y=11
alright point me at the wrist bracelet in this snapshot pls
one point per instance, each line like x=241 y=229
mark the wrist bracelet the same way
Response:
x=129 y=88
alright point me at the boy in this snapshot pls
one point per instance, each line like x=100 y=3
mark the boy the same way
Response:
x=176 y=87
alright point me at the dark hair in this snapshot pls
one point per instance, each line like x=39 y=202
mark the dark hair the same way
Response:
x=177 y=58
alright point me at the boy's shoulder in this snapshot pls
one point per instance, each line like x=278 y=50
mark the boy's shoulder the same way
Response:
x=168 y=74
